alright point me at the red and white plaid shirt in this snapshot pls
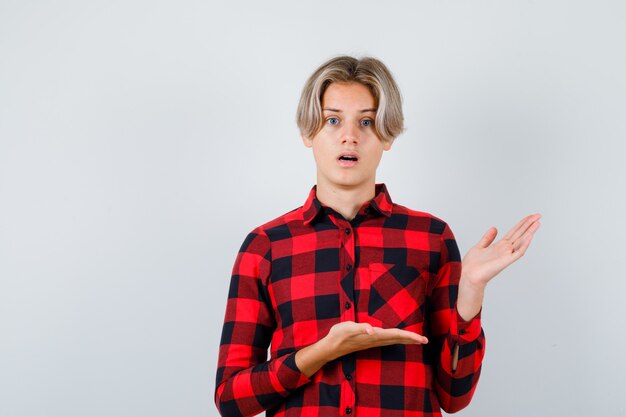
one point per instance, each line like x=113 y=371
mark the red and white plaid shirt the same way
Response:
x=303 y=272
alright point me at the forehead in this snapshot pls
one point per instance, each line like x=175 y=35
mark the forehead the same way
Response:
x=347 y=95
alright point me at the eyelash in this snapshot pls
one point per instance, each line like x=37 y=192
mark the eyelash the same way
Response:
x=371 y=121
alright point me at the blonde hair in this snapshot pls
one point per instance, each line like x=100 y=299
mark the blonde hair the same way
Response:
x=368 y=71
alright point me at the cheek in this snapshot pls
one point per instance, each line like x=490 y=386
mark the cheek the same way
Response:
x=376 y=153
x=321 y=155
x=322 y=147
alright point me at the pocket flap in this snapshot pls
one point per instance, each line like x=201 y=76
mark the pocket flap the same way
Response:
x=397 y=294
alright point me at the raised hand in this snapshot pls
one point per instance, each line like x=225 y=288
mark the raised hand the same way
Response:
x=484 y=261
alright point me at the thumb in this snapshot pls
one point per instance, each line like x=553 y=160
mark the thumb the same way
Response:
x=488 y=237
x=367 y=328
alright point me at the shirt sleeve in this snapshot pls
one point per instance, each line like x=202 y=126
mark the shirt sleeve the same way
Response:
x=460 y=344
x=246 y=382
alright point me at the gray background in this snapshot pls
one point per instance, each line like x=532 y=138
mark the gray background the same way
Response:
x=140 y=141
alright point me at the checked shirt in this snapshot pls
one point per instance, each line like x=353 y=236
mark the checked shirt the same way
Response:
x=299 y=274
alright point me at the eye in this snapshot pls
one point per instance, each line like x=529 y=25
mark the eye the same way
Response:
x=367 y=122
x=332 y=121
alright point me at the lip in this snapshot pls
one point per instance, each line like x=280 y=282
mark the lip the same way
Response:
x=348 y=164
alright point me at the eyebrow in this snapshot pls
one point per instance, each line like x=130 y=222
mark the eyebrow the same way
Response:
x=373 y=109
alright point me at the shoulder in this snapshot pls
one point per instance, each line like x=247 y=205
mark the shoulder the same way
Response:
x=280 y=227
x=434 y=228
x=416 y=219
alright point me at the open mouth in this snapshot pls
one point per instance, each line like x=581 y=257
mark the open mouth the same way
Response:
x=348 y=158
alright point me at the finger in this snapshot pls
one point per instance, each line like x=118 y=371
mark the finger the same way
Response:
x=399 y=334
x=514 y=228
x=532 y=228
x=521 y=225
x=524 y=229
x=523 y=247
x=407 y=342
x=524 y=242
x=488 y=237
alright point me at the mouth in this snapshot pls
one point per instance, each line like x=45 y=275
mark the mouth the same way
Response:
x=348 y=159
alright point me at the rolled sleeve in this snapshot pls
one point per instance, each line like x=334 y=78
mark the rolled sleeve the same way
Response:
x=465 y=331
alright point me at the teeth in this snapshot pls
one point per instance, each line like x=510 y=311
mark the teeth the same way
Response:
x=348 y=157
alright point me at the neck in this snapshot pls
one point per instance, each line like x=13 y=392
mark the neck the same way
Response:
x=346 y=201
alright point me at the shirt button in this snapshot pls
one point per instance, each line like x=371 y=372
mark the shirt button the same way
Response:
x=348 y=410
x=349 y=267
x=348 y=377
x=461 y=332
x=347 y=231
x=348 y=305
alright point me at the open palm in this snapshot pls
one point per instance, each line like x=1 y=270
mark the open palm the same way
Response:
x=484 y=261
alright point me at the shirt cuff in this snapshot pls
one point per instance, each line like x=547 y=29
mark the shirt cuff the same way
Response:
x=465 y=331
x=288 y=374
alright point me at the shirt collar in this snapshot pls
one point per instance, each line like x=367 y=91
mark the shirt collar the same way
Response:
x=381 y=203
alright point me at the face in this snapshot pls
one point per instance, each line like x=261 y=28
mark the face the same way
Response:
x=347 y=150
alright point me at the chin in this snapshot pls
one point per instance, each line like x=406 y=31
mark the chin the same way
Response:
x=350 y=182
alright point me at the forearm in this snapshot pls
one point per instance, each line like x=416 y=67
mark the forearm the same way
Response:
x=455 y=309
x=239 y=392
x=274 y=380
x=462 y=350
x=460 y=364
x=470 y=298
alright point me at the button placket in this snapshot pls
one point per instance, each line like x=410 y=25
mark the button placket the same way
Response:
x=347 y=237
x=347 y=274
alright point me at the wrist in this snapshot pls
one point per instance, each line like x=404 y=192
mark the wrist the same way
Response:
x=328 y=347
x=472 y=284
x=311 y=358
x=470 y=299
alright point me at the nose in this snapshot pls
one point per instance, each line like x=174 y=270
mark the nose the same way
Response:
x=350 y=133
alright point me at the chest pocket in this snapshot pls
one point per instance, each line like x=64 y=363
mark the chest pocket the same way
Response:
x=397 y=294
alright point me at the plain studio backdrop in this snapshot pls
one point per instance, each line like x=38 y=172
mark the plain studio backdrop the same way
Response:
x=140 y=141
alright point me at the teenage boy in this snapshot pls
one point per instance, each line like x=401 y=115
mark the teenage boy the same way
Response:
x=363 y=301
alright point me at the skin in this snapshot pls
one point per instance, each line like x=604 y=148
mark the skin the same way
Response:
x=346 y=189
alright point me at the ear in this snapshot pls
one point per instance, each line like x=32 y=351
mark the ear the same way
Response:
x=307 y=142
x=387 y=145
